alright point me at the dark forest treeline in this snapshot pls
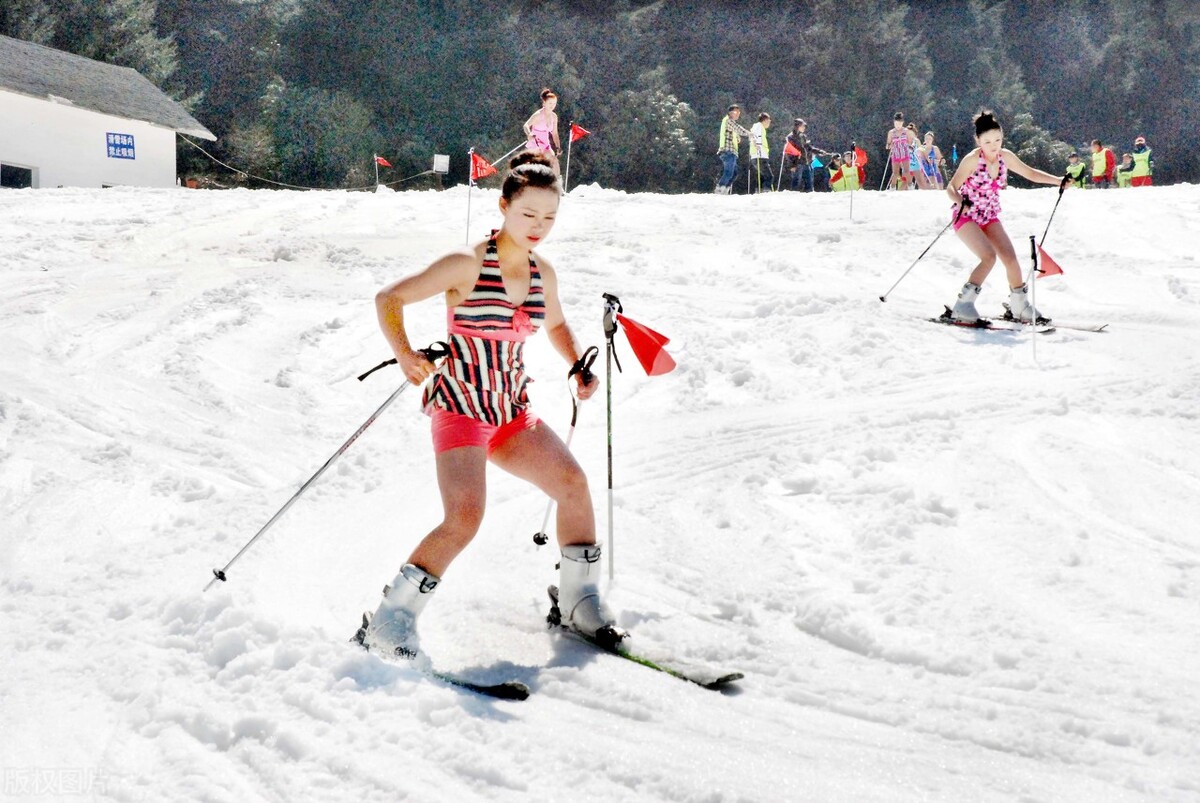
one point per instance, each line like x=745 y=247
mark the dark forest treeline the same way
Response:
x=305 y=91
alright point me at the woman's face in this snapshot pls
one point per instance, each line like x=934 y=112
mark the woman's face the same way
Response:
x=549 y=103
x=529 y=216
x=990 y=142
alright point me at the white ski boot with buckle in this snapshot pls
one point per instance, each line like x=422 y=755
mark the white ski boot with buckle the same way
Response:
x=964 y=309
x=1022 y=310
x=392 y=630
x=579 y=601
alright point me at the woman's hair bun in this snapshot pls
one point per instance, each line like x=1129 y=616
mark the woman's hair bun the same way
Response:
x=985 y=121
x=529 y=169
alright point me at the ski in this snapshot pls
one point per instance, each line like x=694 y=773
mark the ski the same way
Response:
x=993 y=324
x=714 y=680
x=1008 y=316
x=508 y=690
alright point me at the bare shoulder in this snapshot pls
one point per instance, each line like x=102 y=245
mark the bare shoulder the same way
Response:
x=545 y=267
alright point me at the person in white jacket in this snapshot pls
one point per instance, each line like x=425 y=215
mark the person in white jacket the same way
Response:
x=760 y=156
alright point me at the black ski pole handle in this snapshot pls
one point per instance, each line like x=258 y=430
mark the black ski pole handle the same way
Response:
x=583 y=366
x=433 y=352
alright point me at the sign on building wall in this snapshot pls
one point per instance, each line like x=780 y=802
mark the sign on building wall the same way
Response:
x=120 y=146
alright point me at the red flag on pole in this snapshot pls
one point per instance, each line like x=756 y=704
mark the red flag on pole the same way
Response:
x=860 y=156
x=1049 y=266
x=791 y=150
x=379 y=160
x=578 y=132
x=480 y=167
x=647 y=346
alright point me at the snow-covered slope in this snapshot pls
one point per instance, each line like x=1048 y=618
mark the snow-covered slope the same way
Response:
x=952 y=566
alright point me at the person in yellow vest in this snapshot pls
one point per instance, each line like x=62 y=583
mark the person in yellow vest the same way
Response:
x=1103 y=165
x=1075 y=169
x=1125 y=171
x=847 y=176
x=1143 y=163
x=728 y=141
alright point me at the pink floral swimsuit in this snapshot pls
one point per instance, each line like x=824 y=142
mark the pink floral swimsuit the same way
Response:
x=983 y=192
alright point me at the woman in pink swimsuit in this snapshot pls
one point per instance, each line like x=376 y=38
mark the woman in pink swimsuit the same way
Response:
x=541 y=129
x=498 y=292
x=975 y=189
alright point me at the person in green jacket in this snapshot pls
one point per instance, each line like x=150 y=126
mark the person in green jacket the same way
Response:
x=1125 y=171
x=1076 y=170
x=1143 y=163
x=728 y=141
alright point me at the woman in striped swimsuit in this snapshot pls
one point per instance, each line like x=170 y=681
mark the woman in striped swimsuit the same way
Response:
x=975 y=189
x=497 y=294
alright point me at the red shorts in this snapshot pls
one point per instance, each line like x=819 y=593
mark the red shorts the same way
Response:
x=964 y=220
x=452 y=430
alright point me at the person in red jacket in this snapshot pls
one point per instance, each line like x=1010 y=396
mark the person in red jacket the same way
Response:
x=1104 y=165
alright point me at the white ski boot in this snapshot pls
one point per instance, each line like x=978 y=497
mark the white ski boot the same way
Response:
x=964 y=309
x=392 y=631
x=1022 y=310
x=579 y=595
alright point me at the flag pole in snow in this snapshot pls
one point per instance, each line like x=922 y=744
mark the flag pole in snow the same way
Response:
x=470 y=186
x=375 y=159
x=1031 y=285
x=612 y=306
x=570 y=141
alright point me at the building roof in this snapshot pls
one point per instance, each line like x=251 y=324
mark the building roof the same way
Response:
x=49 y=74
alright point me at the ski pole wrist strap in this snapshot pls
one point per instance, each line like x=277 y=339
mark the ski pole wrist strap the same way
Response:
x=433 y=352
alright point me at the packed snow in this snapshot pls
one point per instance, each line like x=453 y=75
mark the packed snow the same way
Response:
x=953 y=565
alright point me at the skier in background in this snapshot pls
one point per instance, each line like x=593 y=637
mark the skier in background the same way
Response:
x=479 y=410
x=975 y=189
x=541 y=129
x=931 y=161
x=898 y=148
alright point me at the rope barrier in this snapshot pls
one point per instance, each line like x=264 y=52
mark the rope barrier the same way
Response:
x=245 y=174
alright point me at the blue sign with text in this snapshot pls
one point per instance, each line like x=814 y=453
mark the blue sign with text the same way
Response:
x=120 y=146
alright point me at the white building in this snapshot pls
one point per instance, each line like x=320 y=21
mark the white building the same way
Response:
x=68 y=121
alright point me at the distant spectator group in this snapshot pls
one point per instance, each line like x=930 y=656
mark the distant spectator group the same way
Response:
x=914 y=161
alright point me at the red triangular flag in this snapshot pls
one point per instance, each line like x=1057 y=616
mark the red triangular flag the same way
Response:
x=1049 y=266
x=379 y=160
x=480 y=167
x=791 y=150
x=579 y=132
x=860 y=156
x=647 y=346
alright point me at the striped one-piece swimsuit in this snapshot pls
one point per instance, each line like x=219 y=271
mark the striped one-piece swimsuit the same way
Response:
x=484 y=376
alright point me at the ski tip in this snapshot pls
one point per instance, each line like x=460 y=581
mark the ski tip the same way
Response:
x=723 y=681
x=513 y=690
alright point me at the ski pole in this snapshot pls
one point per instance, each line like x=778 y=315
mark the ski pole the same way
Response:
x=953 y=220
x=433 y=352
x=1062 y=187
x=583 y=367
